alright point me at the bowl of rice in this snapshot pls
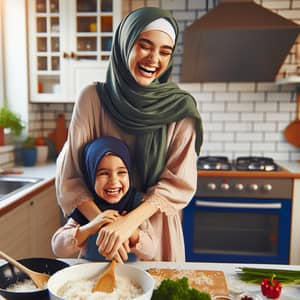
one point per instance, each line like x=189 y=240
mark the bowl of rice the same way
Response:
x=15 y=285
x=77 y=282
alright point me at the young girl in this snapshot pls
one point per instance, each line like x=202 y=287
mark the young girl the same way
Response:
x=106 y=167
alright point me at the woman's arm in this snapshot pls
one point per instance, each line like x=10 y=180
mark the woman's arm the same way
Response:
x=84 y=126
x=144 y=242
x=172 y=192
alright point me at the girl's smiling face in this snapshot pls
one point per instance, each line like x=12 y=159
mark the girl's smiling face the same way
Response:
x=112 y=179
x=150 y=56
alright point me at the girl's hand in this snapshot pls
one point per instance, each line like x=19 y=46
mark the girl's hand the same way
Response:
x=121 y=255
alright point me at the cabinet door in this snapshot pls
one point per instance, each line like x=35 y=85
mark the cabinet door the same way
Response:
x=45 y=220
x=70 y=43
x=46 y=45
x=15 y=232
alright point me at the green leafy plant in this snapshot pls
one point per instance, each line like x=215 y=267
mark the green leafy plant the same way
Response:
x=8 y=119
x=28 y=143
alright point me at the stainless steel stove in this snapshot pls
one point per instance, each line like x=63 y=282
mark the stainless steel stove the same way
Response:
x=242 y=216
x=243 y=163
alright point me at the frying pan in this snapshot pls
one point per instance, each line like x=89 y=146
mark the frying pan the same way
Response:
x=9 y=274
x=292 y=131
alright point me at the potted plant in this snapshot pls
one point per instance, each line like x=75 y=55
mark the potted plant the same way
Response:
x=10 y=120
x=28 y=152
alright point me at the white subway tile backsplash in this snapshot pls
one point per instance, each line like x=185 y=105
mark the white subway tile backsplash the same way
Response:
x=216 y=116
x=252 y=116
x=238 y=126
x=263 y=147
x=290 y=14
x=196 y=4
x=266 y=87
x=266 y=107
x=264 y=127
x=277 y=4
x=277 y=116
x=225 y=136
x=227 y=97
x=173 y=4
x=191 y=87
x=216 y=87
x=181 y=15
x=213 y=107
x=249 y=136
x=296 y=4
x=239 y=107
x=237 y=146
x=213 y=126
x=295 y=156
x=287 y=107
x=277 y=156
x=252 y=97
x=279 y=96
x=241 y=87
x=283 y=147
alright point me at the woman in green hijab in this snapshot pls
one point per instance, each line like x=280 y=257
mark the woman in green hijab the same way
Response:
x=158 y=121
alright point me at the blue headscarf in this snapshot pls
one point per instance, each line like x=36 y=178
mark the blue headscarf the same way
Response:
x=92 y=154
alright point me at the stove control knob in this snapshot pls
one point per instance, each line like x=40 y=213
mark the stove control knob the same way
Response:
x=239 y=187
x=225 y=186
x=211 y=186
x=253 y=187
x=267 y=187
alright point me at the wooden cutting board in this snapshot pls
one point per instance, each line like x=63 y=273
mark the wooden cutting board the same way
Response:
x=209 y=281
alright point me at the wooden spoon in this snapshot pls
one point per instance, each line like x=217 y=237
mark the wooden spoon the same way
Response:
x=292 y=131
x=107 y=280
x=39 y=279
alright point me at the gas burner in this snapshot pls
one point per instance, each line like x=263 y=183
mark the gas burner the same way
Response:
x=255 y=163
x=213 y=163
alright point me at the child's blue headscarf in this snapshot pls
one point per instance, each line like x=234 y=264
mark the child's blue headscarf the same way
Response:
x=92 y=154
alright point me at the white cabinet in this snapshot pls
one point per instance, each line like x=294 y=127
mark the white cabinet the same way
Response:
x=69 y=45
x=27 y=230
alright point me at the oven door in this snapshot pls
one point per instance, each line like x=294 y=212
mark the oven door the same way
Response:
x=237 y=230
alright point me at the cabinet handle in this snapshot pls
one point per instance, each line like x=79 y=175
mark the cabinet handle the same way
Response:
x=276 y=205
x=74 y=55
x=65 y=55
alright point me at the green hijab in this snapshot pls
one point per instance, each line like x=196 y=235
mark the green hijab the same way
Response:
x=145 y=111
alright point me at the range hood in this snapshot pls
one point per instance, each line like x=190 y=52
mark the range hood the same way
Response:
x=237 y=41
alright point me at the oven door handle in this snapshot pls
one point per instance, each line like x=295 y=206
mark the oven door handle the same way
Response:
x=276 y=205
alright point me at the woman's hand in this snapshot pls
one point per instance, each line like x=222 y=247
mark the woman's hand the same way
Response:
x=96 y=224
x=111 y=238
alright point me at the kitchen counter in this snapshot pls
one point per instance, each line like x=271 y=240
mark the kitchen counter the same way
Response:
x=45 y=172
x=233 y=282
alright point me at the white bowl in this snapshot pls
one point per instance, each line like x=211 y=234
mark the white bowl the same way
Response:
x=89 y=270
